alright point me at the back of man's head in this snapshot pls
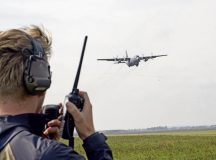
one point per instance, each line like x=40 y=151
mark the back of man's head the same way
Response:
x=12 y=60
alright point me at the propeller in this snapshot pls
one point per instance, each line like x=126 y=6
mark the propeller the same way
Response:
x=138 y=57
x=116 y=57
x=144 y=59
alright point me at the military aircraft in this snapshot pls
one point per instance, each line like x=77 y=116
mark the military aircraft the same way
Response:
x=133 y=61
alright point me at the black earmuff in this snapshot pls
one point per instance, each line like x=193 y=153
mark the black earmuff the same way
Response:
x=37 y=75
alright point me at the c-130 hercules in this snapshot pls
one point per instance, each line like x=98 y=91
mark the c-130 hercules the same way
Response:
x=133 y=61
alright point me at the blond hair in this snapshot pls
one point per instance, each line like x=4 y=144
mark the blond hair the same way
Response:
x=12 y=42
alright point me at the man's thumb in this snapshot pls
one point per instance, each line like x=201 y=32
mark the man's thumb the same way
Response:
x=72 y=109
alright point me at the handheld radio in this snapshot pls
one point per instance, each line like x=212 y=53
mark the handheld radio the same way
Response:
x=68 y=125
x=75 y=99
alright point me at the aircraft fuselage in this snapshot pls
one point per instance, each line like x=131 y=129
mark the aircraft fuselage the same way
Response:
x=134 y=61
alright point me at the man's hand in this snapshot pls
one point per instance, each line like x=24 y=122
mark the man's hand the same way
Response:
x=53 y=129
x=83 y=120
x=53 y=126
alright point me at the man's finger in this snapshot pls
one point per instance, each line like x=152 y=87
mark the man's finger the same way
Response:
x=72 y=109
x=60 y=118
x=60 y=109
x=87 y=103
x=51 y=130
x=52 y=133
x=54 y=123
x=85 y=96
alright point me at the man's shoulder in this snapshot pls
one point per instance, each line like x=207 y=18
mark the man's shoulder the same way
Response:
x=36 y=141
x=32 y=145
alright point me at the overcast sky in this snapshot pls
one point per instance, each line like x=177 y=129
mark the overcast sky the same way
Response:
x=176 y=90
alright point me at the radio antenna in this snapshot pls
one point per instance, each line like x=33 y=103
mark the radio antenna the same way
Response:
x=80 y=65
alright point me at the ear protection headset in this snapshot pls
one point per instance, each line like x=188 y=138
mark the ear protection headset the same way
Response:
x=37 y=75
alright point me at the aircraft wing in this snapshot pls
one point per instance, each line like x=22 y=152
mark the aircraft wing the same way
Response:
x=145 y=58
x=120 y=60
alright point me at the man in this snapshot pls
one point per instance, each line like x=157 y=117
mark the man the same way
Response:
x=24 y=78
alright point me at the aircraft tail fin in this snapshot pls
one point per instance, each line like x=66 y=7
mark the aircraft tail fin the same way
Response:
x=126 y=54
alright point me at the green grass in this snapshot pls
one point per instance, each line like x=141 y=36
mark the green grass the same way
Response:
x=190 y=145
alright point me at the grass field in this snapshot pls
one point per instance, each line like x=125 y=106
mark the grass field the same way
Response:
x=185 y=145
